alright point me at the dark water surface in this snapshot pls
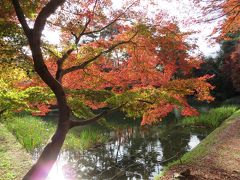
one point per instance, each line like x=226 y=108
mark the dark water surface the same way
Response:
x=132 y=153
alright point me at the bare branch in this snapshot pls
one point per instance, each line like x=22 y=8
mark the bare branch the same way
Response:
x=94 y=119
x=84 y=64
x=21 y=17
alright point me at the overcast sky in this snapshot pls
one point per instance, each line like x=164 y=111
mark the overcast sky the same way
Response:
x=179 y=10
x=182 y=10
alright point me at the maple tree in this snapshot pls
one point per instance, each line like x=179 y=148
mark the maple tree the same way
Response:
x=107 y=58
x=226 y=12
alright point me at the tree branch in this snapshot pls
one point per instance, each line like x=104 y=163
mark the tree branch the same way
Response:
x=21 y=17
x=61 y=60
x=60 y=72
x=85 y=63
x=74 y=123
x=222 y=15
x=110 y=23
x=233 y=19
x=77 y=39
x=49 y=9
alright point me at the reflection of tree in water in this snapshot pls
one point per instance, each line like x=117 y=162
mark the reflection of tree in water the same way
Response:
x=133 y=152
x=174 y=141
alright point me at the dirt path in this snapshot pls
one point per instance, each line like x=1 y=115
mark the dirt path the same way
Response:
x=216 y=158
x=14 y=160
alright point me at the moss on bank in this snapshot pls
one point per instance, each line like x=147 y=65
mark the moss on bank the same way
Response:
x=204 y=148
x=14 y=160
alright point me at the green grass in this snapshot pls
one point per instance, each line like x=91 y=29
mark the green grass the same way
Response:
x=211 y=119
x=33 y=132
x=30 y=131
x=203 y=148
x=14 y=161
x=88 y=137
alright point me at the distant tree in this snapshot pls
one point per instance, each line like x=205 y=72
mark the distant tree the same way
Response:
x=225 y=66
x=231 y=65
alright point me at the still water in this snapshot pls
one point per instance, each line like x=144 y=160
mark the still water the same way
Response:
x=131 y=153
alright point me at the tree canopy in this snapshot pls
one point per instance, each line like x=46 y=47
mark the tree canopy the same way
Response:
x=115 y=57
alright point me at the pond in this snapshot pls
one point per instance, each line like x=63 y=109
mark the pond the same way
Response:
x=132 y=152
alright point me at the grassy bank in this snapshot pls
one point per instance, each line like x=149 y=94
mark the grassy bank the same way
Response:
x=206 y=149
x=211 y=119
x=14 y=161
x=34 y=132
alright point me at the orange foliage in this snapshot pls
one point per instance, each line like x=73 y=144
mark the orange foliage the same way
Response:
x=149 y=61
x=156 y=114
x=226 y=12
x=154 y=58
x=189 y=111
x=42 y=109
x=100 y=49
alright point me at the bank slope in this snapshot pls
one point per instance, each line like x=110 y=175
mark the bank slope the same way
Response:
x=216 y=157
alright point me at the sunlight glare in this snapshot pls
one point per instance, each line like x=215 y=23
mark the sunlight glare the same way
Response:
x=53 y=37
x=56 y=172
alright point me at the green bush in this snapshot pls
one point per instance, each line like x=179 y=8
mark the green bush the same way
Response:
x=211 y=119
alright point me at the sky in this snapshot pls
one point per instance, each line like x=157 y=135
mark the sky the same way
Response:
x=182 y=10
x=179 y=11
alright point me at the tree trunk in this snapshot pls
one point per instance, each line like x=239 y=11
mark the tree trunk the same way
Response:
x=41 y=169
x=48 y=157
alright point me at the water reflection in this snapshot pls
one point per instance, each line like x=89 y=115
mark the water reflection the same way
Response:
x=193 y=142
x=132 y=153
